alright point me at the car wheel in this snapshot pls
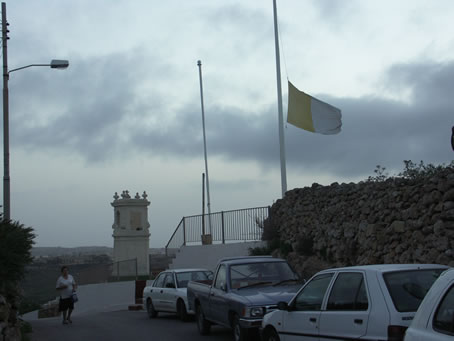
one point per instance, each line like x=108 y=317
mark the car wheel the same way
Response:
x=270 y=334
x=239 y=334
x=182 y=313
x=150 y=310
x=203 y=325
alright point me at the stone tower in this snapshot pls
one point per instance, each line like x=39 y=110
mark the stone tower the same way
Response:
x=131 y=235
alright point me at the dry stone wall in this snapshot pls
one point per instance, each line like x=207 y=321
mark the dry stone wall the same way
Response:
x=393 y=221
x=9 y=327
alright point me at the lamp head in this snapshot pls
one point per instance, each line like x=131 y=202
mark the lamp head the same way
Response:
x=59 y=64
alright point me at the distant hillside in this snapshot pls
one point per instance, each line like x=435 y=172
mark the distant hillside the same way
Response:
x=82 y=250
x=62 y=251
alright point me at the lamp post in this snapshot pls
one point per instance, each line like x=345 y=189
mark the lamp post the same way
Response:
x=54 y=64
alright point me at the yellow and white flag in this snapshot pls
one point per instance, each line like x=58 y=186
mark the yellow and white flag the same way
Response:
x=308 y=113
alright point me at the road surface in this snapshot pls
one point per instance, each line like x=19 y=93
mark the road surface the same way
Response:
x=122 y=325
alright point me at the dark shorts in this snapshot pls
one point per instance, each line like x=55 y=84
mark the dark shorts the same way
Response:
x=65 y=304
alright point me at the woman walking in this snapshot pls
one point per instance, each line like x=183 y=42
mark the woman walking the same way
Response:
x=66 y=286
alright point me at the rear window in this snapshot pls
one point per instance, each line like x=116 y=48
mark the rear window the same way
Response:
x=408 y=288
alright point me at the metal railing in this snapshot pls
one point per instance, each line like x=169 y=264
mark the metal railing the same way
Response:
x=225 y=226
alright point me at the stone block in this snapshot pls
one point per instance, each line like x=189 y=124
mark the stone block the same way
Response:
x=449 y=195
x=49 y=310
x=4 y=309
x=439 y=228
x=448 y=205
x=398 y=226
x=207 y=239
x=135 y=307
x=371 y=230
x=448 y=215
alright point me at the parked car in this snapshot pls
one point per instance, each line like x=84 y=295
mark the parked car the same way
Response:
x=168 y=291
x=434 y=319
x=244 y=289
x=373 y=302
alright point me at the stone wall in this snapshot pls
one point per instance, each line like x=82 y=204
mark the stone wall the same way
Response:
x=393 y=221
x=9 y=326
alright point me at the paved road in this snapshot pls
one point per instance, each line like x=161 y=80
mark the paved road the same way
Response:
x=122 y=325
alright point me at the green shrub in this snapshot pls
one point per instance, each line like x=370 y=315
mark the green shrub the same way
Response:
x=15 y=253
x=305 y=246
x=415 y=171
x=260 y=251
x=379 y=176
x=27 y=305
x=285 y=248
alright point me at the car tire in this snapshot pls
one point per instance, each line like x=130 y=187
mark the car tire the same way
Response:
x=203 y=325
x=270 y=334
x=239 y=334
x=152 y=313
x=182 y=312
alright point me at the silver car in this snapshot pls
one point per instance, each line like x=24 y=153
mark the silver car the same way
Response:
x=168 y=291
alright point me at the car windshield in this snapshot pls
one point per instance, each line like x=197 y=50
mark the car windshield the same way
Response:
x=183 y=278
x=408 y=288
x=251 y=274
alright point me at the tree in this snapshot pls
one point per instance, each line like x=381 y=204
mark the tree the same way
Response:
x=16 y=242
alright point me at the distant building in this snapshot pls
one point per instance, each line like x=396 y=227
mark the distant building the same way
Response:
x=131 y=235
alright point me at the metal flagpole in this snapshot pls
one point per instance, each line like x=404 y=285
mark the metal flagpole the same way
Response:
x=203 y=203
x=279 y=104
x=199 y=63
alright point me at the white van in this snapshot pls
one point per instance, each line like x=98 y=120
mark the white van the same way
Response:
x=371 y=302
x=434 y=319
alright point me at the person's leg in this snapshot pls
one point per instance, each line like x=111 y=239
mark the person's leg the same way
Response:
x=69 y=315
x=64 y=317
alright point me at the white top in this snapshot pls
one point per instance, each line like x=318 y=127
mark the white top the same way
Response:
x=69 y=282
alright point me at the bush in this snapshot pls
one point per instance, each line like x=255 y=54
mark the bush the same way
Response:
x=27 y=305
x=15 y=252
x=379 y=176
x=305 y=246
x=285 y=248
x=260 y=251
x=415 y=171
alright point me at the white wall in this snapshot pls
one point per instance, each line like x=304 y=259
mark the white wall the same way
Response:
x=207 y=256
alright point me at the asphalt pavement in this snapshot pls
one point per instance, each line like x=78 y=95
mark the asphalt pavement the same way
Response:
x=122 y=325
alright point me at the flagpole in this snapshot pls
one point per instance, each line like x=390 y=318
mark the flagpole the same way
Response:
x=279 y=104
x=199 y=63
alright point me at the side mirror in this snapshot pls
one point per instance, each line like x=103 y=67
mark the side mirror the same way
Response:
x=283 y=306
x=170 y=285
x=223 y=287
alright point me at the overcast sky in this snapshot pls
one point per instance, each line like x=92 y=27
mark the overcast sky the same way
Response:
x=126 y=114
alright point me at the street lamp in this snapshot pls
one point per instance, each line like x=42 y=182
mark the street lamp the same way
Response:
x=54 y=64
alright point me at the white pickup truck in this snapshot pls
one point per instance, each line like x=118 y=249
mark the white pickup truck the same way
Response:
x=167 y=293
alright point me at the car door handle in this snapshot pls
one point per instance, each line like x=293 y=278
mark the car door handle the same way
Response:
x=358 y=321
x=313 y=319
x=161 y=291
x=212 y=293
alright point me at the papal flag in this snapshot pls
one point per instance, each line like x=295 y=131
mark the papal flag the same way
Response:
x=309 y=113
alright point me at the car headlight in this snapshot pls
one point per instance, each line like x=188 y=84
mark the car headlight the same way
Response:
x=256 y=312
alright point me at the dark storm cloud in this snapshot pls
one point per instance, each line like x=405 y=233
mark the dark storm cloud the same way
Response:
x=333 y=11
x=108 y=117
x=93 y=104
x=375 y=130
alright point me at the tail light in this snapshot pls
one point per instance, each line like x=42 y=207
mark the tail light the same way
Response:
x=396 y=333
